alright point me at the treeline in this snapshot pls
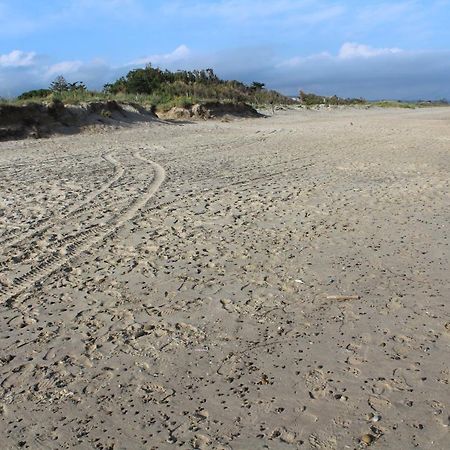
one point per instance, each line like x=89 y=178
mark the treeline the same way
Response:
x=196 y=84
x=151 y=80
x=164 y=88
x=313 y=99
x=59 y=86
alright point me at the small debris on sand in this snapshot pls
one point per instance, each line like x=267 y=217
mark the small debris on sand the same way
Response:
x=343 y=298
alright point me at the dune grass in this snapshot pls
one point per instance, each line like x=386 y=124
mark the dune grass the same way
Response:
x=395 y=104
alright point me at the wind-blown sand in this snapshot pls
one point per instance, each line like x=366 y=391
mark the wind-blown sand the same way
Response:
x=167 y=286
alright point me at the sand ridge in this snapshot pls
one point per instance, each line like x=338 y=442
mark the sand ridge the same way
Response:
x=180 y=286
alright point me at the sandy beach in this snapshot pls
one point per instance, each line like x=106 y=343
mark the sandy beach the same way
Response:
x=271 y=283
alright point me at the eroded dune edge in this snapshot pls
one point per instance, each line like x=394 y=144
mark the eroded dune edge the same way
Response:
x=43 y=120
x=264 y=283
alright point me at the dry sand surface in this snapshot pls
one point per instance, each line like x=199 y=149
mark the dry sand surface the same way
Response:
x=171 y=286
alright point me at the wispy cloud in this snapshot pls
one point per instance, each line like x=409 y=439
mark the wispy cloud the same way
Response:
x=315 y=17
x=386 y=11
x=255 y=11
x=117 y=9
x=353 y=50
x=233 y=9
x=15 y=21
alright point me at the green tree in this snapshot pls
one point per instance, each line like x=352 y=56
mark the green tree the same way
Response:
x=59 y=84
x=78 y=86
x=257 y=86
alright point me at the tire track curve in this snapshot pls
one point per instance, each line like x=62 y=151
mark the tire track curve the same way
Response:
x=48 y=222
x=84 y=241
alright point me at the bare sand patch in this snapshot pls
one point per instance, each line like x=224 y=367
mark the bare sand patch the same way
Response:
x=266 y=283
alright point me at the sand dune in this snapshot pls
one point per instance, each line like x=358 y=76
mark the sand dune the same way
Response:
x=263 y=283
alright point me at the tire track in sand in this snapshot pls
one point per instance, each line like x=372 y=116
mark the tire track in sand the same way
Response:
x=48 y=222
x=119 y=172
x=84 y=240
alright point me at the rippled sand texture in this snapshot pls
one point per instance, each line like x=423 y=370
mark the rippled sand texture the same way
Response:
x=171 y=286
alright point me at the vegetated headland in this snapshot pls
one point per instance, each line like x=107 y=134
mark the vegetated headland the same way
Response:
x=159 y=89
x=142 y=95
x=150 y=93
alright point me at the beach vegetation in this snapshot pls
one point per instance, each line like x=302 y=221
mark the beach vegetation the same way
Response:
x=160 y=89
x=310 y=99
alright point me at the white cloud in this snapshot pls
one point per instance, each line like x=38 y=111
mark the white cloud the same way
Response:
x=64 y=68
x=18 y=58
x=348 y=50
x=93 y=73
x=299 y=60
x=355 y=70
x=353 y=50
x=361 y=71
x=179 y=54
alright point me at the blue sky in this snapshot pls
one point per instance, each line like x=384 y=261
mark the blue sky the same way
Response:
x=375 y=49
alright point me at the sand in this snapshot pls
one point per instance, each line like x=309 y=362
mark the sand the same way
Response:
x=263 y=283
